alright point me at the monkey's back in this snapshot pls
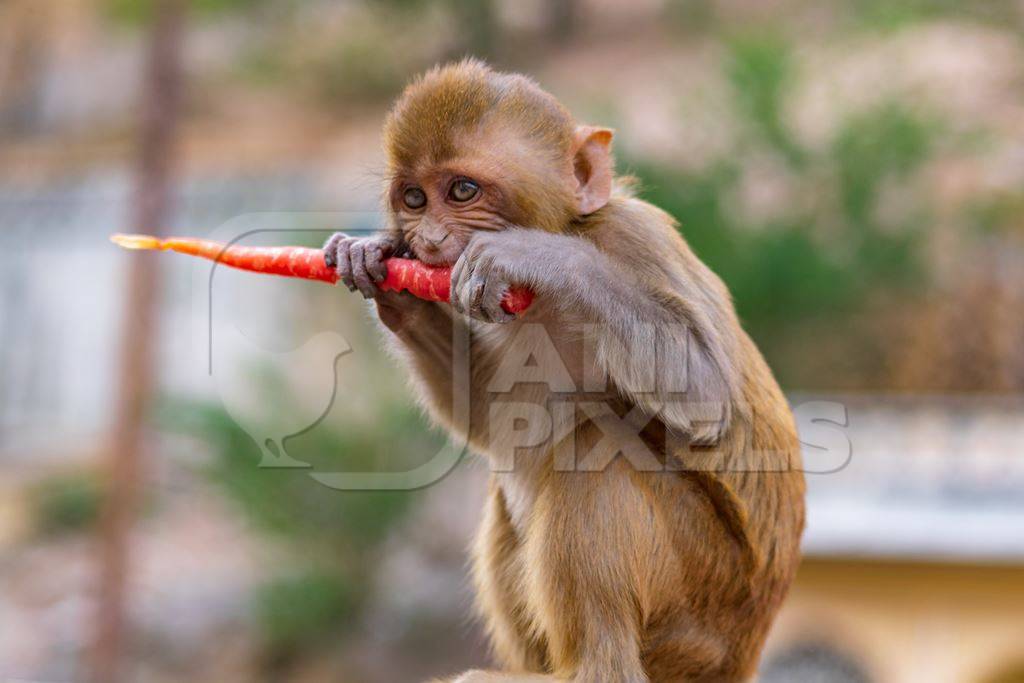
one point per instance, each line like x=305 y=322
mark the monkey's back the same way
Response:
x=733 y=519
x=742 y=545
x=739 y=589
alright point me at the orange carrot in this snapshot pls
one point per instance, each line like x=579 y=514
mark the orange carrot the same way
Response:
x=425 y=282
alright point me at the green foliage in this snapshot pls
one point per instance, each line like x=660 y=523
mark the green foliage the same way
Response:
x=478 y=26
x=404 y=5
x=761 y=71
x=364 y=65
x=262 y=65
x=691 y=16
x=134 y=12
x=288 y=502
x=301 y=611
x=784 y=271
x=66 y=503
x=361 y=68
x=1002 y=214
x=775 y=272
x=883 y=143
x=333 y=536
x=890 y=15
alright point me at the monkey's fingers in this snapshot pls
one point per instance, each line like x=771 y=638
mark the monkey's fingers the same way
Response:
x=331 y=249
x=475 y=294
x=343 y=263
x=491 y=300
x=459 y=272
x=359 y=275
x=375 y=254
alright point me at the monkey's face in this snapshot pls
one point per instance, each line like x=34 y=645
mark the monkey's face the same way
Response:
x=438 y=207
x=493 y=180
x=471 y=149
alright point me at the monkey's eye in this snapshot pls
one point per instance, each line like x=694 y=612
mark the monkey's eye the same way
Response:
x=463 y=189
x=414 y=198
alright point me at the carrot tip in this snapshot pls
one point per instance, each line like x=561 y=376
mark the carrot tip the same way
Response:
x=136 y=241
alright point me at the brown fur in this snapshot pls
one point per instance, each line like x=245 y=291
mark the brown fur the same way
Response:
x=625 y=573
x=454 y=113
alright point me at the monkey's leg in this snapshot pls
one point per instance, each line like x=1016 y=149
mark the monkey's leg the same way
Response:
x=588 y=533
x=499 y=576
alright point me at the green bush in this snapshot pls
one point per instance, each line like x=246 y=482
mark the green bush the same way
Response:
x=134 y=12
x=761 y=72
x=299 y=612
x=288 y=502
x=890 y=15
x=361 y=68
x=333 y=536
x=818 y=263
x=66 y=503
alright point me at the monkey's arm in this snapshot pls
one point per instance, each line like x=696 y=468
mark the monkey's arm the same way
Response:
x=360 y=260
x=654 y=329
x=650 y=336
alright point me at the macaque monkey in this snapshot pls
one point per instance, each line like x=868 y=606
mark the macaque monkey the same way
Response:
x=646 y=497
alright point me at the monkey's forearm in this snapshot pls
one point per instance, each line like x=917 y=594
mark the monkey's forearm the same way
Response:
x=586 y=286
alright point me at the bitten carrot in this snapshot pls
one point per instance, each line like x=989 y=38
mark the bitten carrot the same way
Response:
x=425 y=282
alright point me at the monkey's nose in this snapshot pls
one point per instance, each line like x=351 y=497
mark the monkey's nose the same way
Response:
x=433 y=243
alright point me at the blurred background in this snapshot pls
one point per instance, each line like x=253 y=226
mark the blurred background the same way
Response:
x=853 y=169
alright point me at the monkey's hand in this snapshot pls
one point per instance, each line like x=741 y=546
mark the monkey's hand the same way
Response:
x=493 y=262
x=360 y=260
x=360 y=265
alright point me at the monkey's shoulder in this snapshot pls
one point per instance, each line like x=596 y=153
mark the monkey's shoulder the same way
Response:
x=636 y=230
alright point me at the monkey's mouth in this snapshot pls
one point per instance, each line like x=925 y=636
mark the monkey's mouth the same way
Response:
x=445 y=256
x=435 y=259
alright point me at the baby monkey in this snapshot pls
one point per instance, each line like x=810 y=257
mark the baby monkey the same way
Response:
x=646 y=497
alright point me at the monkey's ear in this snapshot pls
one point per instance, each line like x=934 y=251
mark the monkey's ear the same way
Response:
x=592 y=166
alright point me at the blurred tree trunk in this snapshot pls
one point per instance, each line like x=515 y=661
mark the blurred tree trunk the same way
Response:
x=151 y=205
